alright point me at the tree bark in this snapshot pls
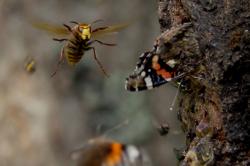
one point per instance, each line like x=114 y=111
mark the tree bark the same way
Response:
x=215 y=106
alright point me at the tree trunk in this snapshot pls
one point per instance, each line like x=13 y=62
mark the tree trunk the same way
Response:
x=215 y=106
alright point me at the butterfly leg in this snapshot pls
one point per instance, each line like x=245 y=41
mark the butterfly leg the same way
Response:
x=99 y=63
x=60 y=61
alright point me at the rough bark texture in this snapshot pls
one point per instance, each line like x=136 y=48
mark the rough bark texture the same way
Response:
x=215 y=107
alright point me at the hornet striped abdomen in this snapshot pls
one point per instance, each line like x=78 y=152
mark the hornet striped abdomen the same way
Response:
x=74 y=49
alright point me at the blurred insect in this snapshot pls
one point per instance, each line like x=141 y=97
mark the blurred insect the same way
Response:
x=105 y=152
x=79 y=39
x=30 y=65
x=163 y=129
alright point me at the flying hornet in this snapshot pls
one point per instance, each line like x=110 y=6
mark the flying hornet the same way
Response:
x=78 y=39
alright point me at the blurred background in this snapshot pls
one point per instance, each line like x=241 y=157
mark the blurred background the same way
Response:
x=42 y=119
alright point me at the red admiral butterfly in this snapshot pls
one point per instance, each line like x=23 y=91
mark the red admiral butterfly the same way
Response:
x=159 y=66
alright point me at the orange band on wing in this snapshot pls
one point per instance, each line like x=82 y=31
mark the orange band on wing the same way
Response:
x=165 y=74
x=162 y=72
x=115 y=156
x=156 y=66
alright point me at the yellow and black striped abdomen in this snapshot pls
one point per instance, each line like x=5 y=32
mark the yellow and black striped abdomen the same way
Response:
x=74 y=50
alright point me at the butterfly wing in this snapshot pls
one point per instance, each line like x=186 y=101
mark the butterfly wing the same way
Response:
x=151 y=71
x=93 y=152
x=160 y=65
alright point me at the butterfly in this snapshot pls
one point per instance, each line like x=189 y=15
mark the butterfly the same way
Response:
x=151 y=71
x=105 y=152
x=160 y=65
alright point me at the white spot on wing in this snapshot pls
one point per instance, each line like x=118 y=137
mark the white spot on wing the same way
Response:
x=143 y=74
x=126 y=84
x=168 y=79
x=149 y=82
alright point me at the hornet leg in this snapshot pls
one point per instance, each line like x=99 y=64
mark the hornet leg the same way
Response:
x=107 y=44
x=60 y=61
x=99 y=63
